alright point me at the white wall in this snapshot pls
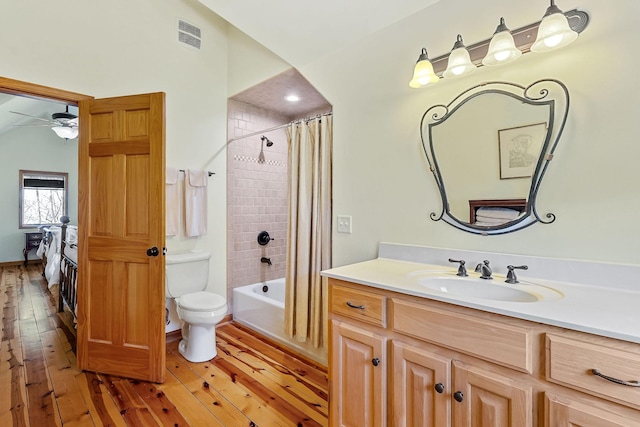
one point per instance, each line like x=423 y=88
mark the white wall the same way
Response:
x=129 y=46
x=250 y=63
x=38 y=149
x=381 y=177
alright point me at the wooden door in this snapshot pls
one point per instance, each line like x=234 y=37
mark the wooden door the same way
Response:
x=358 y=390
x=121 y=205
x=421 y=387
x=489 y=400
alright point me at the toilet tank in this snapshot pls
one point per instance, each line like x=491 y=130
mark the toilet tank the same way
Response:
x=186 y=272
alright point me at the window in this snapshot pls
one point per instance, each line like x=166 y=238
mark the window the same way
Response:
x=43 y=198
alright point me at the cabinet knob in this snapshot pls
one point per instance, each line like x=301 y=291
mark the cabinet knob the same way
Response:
x=375 y=361
x=458 y=396
x=439 y=388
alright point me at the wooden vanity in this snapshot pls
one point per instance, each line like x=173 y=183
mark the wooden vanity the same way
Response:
x=403 y=360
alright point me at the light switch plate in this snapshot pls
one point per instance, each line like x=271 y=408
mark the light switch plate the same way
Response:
x=344 y=224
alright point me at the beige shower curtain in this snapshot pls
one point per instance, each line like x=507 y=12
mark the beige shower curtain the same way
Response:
x=309 y=233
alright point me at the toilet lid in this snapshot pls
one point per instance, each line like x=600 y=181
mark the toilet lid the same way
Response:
x=201 y=301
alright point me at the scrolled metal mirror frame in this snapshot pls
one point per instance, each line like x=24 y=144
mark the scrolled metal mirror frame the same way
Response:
x=549 y=92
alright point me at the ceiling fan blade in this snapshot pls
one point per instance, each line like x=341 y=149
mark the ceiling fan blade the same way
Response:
x=32 y=126
x=29 y=115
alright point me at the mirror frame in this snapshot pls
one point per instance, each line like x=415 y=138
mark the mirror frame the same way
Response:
x=546 y=92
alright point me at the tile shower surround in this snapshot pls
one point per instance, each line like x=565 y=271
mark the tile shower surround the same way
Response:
x=256 y=195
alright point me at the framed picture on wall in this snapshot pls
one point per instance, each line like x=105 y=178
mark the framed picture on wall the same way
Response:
x=519 y=149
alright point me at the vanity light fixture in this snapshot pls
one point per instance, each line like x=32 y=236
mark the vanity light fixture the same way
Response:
x=554 y=31
x=459 y=60
x=423 y=73
x=548 y=34
x=502 y=48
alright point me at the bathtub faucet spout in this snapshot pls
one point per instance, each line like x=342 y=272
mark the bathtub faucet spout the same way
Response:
x=266 y=260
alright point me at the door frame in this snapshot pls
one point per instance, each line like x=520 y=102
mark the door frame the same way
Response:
x=32 y=90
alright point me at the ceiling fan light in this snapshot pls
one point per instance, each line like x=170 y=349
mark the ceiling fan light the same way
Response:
x=554 y=31
x=65 y=132
x=459 y=60
x=502 y=48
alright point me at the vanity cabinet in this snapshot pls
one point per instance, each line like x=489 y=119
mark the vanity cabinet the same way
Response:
x=404 y=361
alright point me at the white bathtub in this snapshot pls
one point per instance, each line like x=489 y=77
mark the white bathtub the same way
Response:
x=260 y=306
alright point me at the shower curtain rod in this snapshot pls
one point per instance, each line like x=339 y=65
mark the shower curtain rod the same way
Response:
x=278 y=127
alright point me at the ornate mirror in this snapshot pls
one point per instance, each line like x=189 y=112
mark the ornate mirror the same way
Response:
x=489 y=149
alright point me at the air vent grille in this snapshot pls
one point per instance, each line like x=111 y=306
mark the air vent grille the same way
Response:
x=189 y=34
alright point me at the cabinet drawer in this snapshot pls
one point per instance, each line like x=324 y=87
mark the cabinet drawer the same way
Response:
x=570 y=362
x=359 y=305
x=561 y=411
x=507 y=345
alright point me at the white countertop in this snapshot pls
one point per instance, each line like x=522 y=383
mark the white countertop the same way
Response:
x=606 y=311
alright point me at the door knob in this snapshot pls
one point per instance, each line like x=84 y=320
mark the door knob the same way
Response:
x=439 y=388
x=153 y=251
x=375 y=362
x=458 y=396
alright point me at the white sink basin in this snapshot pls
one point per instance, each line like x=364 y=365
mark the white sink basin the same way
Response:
x=490 y=289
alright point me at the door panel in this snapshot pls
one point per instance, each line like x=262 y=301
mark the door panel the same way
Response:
x=490 y=399
x=121 y=215
x=358 y=396
x=416 y=403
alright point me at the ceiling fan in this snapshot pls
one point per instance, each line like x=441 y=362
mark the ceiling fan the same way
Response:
x=65 y=124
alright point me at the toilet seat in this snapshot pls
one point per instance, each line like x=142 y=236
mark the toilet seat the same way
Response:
x=201 y=301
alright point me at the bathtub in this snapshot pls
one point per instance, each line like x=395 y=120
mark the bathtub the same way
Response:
x=260 y=307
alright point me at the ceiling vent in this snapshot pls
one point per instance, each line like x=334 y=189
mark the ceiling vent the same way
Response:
x=189 y=34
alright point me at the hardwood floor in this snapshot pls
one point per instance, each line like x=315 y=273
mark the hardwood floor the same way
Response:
x=249 y=383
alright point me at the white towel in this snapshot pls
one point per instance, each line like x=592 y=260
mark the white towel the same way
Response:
x=172 y=202
x=484 y=220
x=195 y=202
x=497 y=212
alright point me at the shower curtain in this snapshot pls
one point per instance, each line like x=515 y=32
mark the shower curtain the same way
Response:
x=309 y=232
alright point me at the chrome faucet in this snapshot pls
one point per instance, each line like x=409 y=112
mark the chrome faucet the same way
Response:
x=462 y=270
x=484 y=269
x=511 y=274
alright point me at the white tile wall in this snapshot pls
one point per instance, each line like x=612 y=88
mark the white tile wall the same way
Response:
x=256 y=196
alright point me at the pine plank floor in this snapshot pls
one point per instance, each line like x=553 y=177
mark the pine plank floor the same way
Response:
x=250 y=383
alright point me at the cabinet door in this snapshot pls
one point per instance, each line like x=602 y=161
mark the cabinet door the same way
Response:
x=358 y=388
x=560 y=412
x=421 y=387
x=486 y=399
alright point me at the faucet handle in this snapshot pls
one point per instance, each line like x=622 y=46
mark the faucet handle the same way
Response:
x=511 y=274
x=462 y=270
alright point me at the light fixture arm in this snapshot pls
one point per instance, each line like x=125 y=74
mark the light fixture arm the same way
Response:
x=552 y=9
x=523 y=37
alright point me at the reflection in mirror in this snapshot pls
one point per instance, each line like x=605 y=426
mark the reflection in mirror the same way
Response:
x=489 y=149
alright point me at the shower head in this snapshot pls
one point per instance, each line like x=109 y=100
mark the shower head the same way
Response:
x=267 y=140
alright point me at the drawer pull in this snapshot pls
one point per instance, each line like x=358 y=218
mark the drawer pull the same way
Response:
x=439 y=388
x=359 y=307
x=375 y=362
x=458 y=396
x=632 y=383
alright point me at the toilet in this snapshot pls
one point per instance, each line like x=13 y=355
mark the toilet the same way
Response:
x=187 y=275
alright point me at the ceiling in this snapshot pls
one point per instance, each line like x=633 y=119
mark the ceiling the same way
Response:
x=270 y=95
x=301 y=32
x=297 y=34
